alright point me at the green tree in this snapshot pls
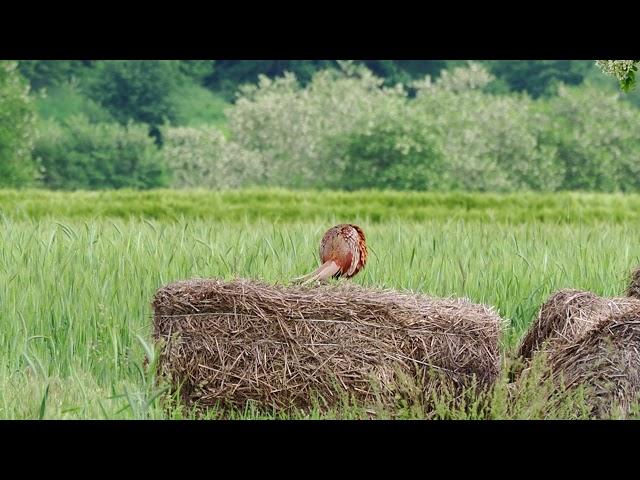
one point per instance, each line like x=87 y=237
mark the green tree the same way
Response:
x=229 y=74
x=51 y=73
x=17 y=122
x=198 y=70
x=539 y=77
x=404 y=71
x=138 y=90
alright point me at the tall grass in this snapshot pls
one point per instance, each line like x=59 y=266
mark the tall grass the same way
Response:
x=75 y=289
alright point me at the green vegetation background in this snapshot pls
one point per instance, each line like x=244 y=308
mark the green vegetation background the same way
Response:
x=503 y=126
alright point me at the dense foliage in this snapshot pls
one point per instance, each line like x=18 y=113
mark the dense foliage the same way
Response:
x=52 y=73
x=203 y=157
x=16 y=128
x=346 y=130
x=536 y=77
x=623 y=70
x=138 y=91
x=83 y=155
x=539 y=77
x=479 y=126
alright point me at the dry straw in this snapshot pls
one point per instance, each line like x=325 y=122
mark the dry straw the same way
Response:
x=567 y=316
x=591 y=342
x=634 y=284
x=606 y=361
x=227 y=343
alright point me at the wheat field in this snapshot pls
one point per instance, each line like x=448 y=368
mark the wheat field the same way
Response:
x=76 y=278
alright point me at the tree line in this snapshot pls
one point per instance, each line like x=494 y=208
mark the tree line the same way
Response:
x=407 y=124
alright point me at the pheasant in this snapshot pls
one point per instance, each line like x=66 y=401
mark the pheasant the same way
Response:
x=343 y=253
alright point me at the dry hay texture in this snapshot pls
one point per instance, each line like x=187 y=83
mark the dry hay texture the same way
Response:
x=232 y=342
x=568 y=315
x=593 y=342
x=606 y=361
x=633 y=290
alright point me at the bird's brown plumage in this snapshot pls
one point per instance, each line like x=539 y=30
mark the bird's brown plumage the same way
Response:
x=343 y=253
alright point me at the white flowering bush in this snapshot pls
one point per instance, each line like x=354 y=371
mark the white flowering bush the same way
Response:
x=597 y=139
x=623 y=70
x=203 y=157
x=293 y=127
x=345 y=130
x=490 y=142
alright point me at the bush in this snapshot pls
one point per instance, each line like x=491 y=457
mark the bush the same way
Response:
x=597 y=139
x=202 y=157
x=394 y=153
x=294 y=128
x=623 y=70
x=77 y=154
x=345 y=130
x=490 y=142
x=455 y=136
x=16 y=128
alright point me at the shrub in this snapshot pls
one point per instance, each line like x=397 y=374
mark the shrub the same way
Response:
x=595 y=140
x=16 y=128
x=396 y=153
x=623 y=70
x=203 y=157
x=77 y=154
x=346 y=130
x=490 y=142
x=294 y=128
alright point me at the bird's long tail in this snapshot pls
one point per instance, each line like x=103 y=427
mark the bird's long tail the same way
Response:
x=326 y=270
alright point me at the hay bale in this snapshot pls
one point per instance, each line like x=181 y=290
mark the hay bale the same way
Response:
x=232 y=342
x=633 y=290
x=606 y=360
x=567 y=316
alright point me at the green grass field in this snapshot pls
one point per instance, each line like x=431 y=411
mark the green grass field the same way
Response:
x=78 y=270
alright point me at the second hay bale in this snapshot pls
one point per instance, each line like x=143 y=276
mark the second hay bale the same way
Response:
x=606 y=360
x=633 y=290
x=238 y=341
x=568 y=315
x=591 y=342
